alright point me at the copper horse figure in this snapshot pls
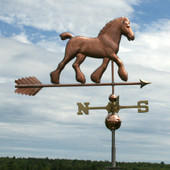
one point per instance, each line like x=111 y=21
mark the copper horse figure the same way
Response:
x=105 y=46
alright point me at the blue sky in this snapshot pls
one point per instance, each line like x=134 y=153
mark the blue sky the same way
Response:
x=46 y=125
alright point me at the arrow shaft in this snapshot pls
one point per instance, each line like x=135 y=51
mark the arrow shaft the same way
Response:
x=74 y=85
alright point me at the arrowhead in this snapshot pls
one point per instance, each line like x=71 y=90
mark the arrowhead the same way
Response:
x=143 y=83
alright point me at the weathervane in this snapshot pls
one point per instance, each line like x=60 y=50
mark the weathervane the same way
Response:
x=106 y=47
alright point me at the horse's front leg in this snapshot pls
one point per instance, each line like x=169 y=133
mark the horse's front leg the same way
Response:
x=97 y=74
x=121 y=71
x=76 y=65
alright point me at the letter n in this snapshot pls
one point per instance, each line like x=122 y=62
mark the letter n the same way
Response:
x=83 y=108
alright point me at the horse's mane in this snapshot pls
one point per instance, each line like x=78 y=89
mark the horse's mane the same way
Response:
x=108 y=25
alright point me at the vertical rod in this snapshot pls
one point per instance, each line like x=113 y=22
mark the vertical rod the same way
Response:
x=112 y=71
x=113 y=149
x=113 y=131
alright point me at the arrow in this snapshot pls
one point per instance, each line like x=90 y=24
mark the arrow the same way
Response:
x=31 y=85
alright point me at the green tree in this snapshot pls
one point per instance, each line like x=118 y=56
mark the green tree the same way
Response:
x=162 y=164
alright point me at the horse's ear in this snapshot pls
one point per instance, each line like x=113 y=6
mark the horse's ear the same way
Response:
x=126 y=22
x=123 y=21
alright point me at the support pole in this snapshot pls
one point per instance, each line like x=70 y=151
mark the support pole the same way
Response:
x=113 y=131
x=113 y=150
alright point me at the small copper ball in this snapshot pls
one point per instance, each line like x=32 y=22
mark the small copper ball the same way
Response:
x=112 y=121
x=113 y=97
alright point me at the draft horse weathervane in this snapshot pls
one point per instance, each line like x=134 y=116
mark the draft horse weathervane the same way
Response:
x=106 y=47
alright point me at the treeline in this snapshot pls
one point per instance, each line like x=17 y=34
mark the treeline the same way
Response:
x=7 y=163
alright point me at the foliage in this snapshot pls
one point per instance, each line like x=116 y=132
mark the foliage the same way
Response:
x=7 y=163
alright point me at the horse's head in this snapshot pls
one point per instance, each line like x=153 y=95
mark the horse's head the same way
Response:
x=126 y=29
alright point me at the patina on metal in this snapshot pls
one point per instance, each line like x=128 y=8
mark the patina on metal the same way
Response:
x=105 y=46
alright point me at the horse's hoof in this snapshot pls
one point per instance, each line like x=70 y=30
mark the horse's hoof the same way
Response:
x=54 y=78
x=81 y=78
x=95 y=78
x=123 y=75
x=55 y=82
x=82 y=81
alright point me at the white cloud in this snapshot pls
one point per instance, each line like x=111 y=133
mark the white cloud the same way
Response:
x=22 y=38
x=50 y=117
x=87 y=17
x=151 y=47
x=18 y=58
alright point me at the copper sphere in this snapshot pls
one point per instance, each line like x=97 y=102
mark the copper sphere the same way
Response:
x=112 y=121
x=113 y=97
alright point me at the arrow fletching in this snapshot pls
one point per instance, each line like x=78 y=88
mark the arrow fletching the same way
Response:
x=31 y=91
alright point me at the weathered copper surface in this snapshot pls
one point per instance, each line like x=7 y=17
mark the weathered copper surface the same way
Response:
x=112 y=121
x=105 y=46
x=28 y=90
x=113 y=98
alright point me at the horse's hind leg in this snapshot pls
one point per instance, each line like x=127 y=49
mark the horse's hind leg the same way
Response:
x=55 y=75
x=97 y=74
x=76 y=65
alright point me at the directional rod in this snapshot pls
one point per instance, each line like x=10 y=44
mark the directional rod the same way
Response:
x=31 y=85
x=142 y=107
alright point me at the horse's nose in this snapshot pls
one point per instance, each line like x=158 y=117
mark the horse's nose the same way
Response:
x=133 y=37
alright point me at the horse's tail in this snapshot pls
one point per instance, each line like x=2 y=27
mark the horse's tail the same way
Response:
x=66 y=35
